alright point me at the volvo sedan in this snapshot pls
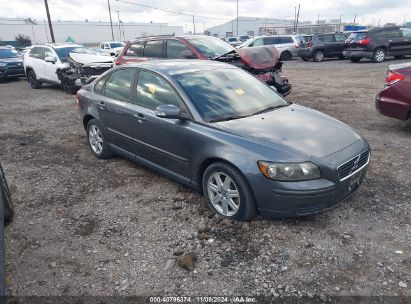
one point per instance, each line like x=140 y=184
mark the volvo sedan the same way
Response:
x=218 y=129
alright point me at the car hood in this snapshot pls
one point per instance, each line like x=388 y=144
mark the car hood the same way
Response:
x=90 y=58
x=296 y=127
x=11 y=60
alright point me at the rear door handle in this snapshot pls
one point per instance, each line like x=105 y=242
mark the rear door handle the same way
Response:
x=140 y=117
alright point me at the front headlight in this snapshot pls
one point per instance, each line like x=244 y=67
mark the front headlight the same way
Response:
x=289 y=171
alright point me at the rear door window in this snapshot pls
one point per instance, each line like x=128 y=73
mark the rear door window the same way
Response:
x=326 y=38
x=136 y=49
x=406 y=32
x=176 y=49
x=154 y=49
x=340 y=37
x=38 y=53
x=118 y=86
x=257 y=42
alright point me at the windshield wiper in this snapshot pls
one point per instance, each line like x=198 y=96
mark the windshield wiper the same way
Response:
x=231 y=117
x=219 y=56
x=270 y=108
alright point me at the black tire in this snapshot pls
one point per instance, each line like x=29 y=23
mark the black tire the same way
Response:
x=341 y=57
x=355 y=59
x=378 y=56
x=247 y=209
x=32 y=78
x=105 y=148
x=286 y=55
x=305 y=58
x=318 y=56
x=6 y=197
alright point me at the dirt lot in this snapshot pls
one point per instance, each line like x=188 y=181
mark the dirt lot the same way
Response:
x=84 y=226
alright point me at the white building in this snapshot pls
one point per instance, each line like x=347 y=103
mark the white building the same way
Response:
x=82 y=31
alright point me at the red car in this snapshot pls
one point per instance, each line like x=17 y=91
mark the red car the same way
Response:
x=395 y=100
x=262 y=61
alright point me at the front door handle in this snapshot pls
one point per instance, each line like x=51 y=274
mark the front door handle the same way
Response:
x=102 y=105
x=140 y=117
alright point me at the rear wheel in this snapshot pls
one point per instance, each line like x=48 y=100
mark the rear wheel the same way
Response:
x=286 y=55
x=97 y=140
x=32 y=78
x=355 y=59
x=227 y=192
x=379 y=56
x=318 y=56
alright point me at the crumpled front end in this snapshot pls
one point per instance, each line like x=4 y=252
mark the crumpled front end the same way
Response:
x=79 y=71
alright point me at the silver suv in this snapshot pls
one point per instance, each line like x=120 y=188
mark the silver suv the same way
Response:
x=285 y=44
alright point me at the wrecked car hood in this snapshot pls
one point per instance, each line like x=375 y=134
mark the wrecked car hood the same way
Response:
x=87 y=59
x=259 y=57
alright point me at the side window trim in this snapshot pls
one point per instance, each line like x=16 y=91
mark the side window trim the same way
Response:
x=133 y=94
x=183 y=105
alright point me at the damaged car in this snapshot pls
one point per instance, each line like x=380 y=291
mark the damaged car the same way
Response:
x=67 y=65
x=263 y=62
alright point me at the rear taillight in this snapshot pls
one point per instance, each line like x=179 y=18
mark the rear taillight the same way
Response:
x=117 y=62
x=364 y=41
x=297 y=46
x=309 y=44
x=393 y=77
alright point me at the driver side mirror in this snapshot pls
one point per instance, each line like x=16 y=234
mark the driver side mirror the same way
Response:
x=168 y=111
x=50 y=59
x=187 y=54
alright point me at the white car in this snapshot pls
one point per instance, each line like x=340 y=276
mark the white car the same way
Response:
x=285 y=44
x=63 y=64
x=234 y=41
x=112 y=48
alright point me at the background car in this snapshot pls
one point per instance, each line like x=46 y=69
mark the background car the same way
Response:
x=378 y=43
x=285 y=44
x=321 y=46
x=63 y=64
x=208 y=48
x=112 y=48
x=11 y=63
x=243 y=38
x=234 y=41
x=248 y=151
x=395 y=100
x=6 y=215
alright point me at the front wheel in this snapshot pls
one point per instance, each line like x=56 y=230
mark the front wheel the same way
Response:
x=97 y=139
x=286 y=55
x=379 y=56
x=227 y=192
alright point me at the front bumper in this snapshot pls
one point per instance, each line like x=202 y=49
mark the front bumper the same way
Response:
x=15 y=72
x=358 y=54
x=288 y=199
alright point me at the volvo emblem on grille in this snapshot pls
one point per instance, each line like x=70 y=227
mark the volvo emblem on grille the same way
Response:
x=355 y=165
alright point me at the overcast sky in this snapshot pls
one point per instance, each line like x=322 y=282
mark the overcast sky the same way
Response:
x=96 y=10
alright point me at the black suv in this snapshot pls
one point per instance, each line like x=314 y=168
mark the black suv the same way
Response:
x=378 y=43
x=320 y=46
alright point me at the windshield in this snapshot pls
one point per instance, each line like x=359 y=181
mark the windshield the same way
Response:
x=83 y=50
x=116 y=44
x=63 y=52
x=210 y=47
x=357 y=36
x=227 y=93
x=9 y=53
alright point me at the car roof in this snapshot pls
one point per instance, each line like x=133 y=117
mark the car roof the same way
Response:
x=180 y=66
x=171 y=36
x=58 y=45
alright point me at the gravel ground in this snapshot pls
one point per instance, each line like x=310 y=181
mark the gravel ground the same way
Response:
x=85 y=226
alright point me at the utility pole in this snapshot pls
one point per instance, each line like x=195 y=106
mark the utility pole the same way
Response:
x=379 y=22
x=318 y=23
x=45 y=27
x=119 y=24
x=49 y=19
x=295 y=18
x=298 y=17
x=339 y=27
x=111 y=21
x=237 y=19
x=355 y=17
x=194 y=26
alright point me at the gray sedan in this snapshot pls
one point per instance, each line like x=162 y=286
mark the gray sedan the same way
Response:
x=218 y=129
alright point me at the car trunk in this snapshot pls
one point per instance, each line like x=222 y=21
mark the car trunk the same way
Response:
x=357 y=41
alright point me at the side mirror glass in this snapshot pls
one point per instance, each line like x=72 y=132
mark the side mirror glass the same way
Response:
x=187 y=54
x=50 y=59
x=168 y=111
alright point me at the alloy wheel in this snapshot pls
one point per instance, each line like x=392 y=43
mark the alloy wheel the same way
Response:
x=96 y=139
x=379 y=55
x=223 y=194
x=319 y=56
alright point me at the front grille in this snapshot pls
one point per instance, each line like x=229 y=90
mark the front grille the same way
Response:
x=353 y=164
